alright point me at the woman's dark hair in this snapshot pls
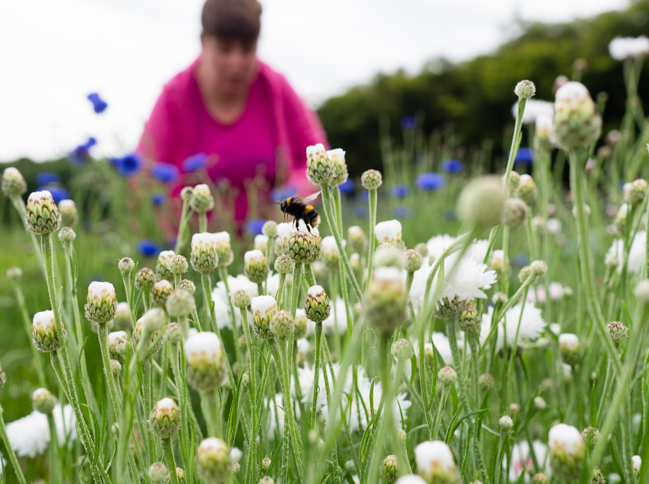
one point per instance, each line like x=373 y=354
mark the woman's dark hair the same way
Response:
x=232 y=20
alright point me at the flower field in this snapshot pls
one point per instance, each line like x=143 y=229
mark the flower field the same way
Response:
x=440 y=324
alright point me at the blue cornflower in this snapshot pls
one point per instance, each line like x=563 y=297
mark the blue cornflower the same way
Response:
x=521 y=260
x=98 y=104
x=254 y=226
x=282 y=193
x=148 y=248
x=347 y=186
x=81 y=153
x=128 y=165
x=524 y=156
x=402 y=212
x=408 y=122
x=45 y=177
x=165 y=172
x=400 y=191
x=58 y=193
x=452 y=166
x=194 y=163
x=430 y=181
x=158 y=199
x=361 y=211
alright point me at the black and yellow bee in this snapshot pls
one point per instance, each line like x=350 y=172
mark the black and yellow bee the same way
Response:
x=299 y=209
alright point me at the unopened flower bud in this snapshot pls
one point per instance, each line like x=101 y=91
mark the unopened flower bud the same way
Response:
x=539 y=268
x=449 y=309
x=255 y=266
x=187 y=194
x=486 y=382
x=384 y=304
x=576 y=122
x=539 y=403
x=389 y=472
x=317 y=304
x=67 y=236
x=213 y=461
x=527 y=190
x=506 y=422
x=162 y=267
x=525 y=89
x=514 y=213
x=637 y=192
x=265 y=464
x=371 y=179
x=514 y=408
x=540 y=479
x=387 y=255
x=570 y=349
x=164 y=419
x=43 y=216
x=469 y=321
x=525 y=273
x=402 y=350
x=319 y=168
x=356 y=239
x=514 y=180
x=284 y=264
x=636 y=462
x=144 y=279
x=281 y=324
x=174 y=334
x=263 y=308
x=161 y=291
x=566 y=448
x=618 y=332
x=115 y=368
x=117 y=345
x=300 y=324
x=339 y=167
x=414 y=260
x=13 y=183
x=180 y=475
x=179 y=303
x=435 y=463
x=496 y=263
x=205 y=361
x=68 y=211
x=101 y=302
x=158 y=473
x=447 y=375
x=178 y=265
x=14 y=274
x=187 y=285
x=598 y=476
x=422 y=249
x=390 y=232
x=481 y=203
x=43 y=401
x=202 y=200
x=203 y=255
x=266 y=480
x=126 y=265
x=591 y=436
x=270 y=229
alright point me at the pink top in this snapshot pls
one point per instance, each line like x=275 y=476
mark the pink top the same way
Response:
x=275 y=125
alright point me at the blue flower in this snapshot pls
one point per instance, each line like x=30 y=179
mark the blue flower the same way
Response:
x=282 y=193
x=254 y=226
x=361 y=211
x=81 y=153
x=408 y=122
x=347 y=186
x=98 y=104
x=364 y=196
x=521 y=260
x=450 y=215
x=158 y=199
x=430 y=181
x=402 y=212
x=400 y=191
x=58 y=193
x=194 y=163
x=165 y=172
x=128 y=165
x=524 y=156
x=45 y=177
x=148 y=248
x=452 y=166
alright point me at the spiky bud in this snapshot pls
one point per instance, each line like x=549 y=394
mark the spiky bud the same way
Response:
x=126 y=266
x=566 y=448
x=158 y=473
x=618 y=332
x=525 y=89
x=570 y=349
x=270 y=229
x=67 y=236
x=515 y=213
x=205 y=361
x=117 y=345
x=115 y=368
x=449 y=309
x=469 y=321
x=527 y=190
x=224 y=252
x=319 y=168
x=300 y=324
x=161 y=291
x=265 y=464
x=637 y=192
x=240 y=299
x=179 y=303
x=284 y=264
x=486 y=382
x=435 y=463
x=371 y=179
x=164 y=419
x=481 y=203
x=180 y=475
x=203 y=255
x=339 y=167
x=576 y=122
x=174 y=334
x=43 y=401
x=144 y=279
x=101 y=303
x=263 y=308
x=255 y=266
x=447 y=375
x=389 y=472
x=178 y=265
x=300 y=247
x=202 y=200
x=13 y=183
x=514 y=180
x=317 y=304
x=506 y=422
x=414 y=260
x=162 y=267
x=402 y=350
x=539 y=268
x=281 y=324
x=187 y=194
x=187 y=285
x=43 y=216
x=525 y=273
x=591 y=436
x=384 y=303
x=598 y=476
x=213 y=461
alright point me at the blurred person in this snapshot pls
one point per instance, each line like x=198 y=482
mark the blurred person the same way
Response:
x=235 y=109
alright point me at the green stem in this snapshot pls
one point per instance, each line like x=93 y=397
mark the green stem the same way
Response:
x=56 y=471
x=452 y=340
x=316 y=374
x=102 y=336
x=169 y=460
x=211 y=405
x=440 y=409
x=202 y=222
x=297 y=276
x=372 y=238
x=184 y=218
x=10 y=451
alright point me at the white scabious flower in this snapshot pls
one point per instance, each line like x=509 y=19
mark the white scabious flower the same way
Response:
x=284 y=231
x=236 y=454
x=565 y=437
x=531 y=325
x=533 y=109
x=30 y=435
x=221 y=299
x=389 y=231
x=329 y=244
x=203 y=344
x=411 y=479
x=433 y=458
x=622 y=48
x=476 y=251
x=636 y=252
x=261 y=242
x=522 y=458
x=254 y=256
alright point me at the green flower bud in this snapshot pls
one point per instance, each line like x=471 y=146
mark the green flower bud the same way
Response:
x=162 y=269
x=67 y=236
x=43 y=216
x=118 y=345
x=255 y=266
x=481 y=203
x=303 y=247
x=241 y=299
x=540 y=479
x=284 y=264
x=539 y=403
x=263 y=308
x=151 y=324
x=164 y=419
x=339 y=167
x=270 y=229
x=389 y=256
x=213 y=461
x=319 y=168
x=202 y=200
x=515 y=213
x=265 y=464
x=43 y=401
x=506 y=422
x=158 y=473
x=486 y=382
x=527 y=190
x=422 y=249
x=144 y=279
x=470 y=321
x=402 y=350
x=576 y=122
x=126 y=266
x=101 y=303
x=414 y=260
x=566 y=448
x=356 y=239
x=204 y=258
x=618 y=332
x=449 y=309
x=13 y=183
x=299 y=331
x=317 y=304
x=539 y=268
x=591 y=436
x=525 y=273
x=447 y=375
x=206 y=365
x=371 y=179
x=224 y=253
x=187 y=285
x=514 y=181
x=115 y=368
x=525 y=89
x=180 y=475
x=178 y=265
x=14 y=274
x=187 y=194
x=68 y=211
x=389 y=472
x=281 y=324
x=161 y=291
x=570 y=349
x=174 y=334
x=384 y=304
x=598 y=476
x=636 y=193
x=179 y=303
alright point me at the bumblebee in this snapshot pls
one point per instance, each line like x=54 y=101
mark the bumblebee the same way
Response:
x=299 y=209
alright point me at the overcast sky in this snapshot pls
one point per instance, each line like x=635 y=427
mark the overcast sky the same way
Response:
x=53 y=53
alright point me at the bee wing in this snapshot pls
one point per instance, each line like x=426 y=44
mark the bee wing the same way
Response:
x=312 y=197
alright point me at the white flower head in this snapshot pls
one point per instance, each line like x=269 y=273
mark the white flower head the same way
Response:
x=253 y=256
x=534 y=108
x=565 y=437
x=434 y=454
x=202 y=344
x=44 y=319
x=329 y=244
x=98 y=289
x=117 y=336
x=553 y=225
x=636 y=461
x=622 y=48
x=67 y=203
x=30 y=435
x=531 y=325
x=236 y=454
x=261 y=242
x=222 y=237
x=285 y=230
x=389 y=231
x=569 y=340
x=41 y=196
x=411 y=479
x=123 y=310
x=315 y=149
x=336 y=154
x=204 y=239
x=212 y=443
x=260 y=305
x=636 y=259
x=571 y=91
x=221 y=299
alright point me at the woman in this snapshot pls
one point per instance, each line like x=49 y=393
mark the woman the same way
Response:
x=234 y=108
